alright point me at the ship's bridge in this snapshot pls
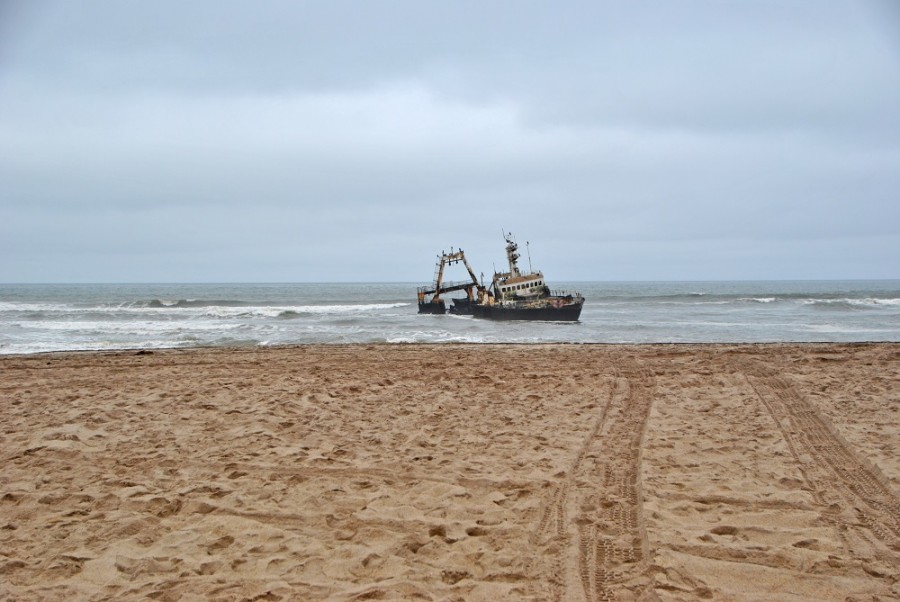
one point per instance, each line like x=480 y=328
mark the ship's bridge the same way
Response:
x=522 y=286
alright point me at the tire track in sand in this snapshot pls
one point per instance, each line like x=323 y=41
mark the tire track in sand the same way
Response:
x=839 y=479
x=613 y=541
x=553 y=526
x=553 y=522
x=602 y=491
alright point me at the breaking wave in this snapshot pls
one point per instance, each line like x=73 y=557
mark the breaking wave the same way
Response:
x=157 y=303
x=851 y=303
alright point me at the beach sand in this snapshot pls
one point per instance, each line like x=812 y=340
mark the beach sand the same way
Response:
x=453 y=472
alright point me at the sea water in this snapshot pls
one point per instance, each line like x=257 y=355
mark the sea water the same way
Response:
x=62 y=317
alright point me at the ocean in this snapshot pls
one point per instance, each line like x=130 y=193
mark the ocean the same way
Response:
x=37 y=318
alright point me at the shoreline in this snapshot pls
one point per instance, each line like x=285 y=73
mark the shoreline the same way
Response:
x=546 y=471
x=437 y=345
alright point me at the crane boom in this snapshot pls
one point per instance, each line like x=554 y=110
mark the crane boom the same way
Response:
x=439 y=286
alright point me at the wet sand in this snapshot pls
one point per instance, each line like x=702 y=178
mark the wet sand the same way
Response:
x=453 y=472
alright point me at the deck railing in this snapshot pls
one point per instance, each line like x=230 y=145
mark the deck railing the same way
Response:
x=446 y=287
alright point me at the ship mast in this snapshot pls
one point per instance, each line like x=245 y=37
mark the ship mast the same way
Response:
x=512 y=256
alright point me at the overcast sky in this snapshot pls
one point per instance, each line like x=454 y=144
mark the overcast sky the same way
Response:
x=226 y=141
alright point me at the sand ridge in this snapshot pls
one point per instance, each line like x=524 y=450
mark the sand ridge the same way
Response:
x=453 y=472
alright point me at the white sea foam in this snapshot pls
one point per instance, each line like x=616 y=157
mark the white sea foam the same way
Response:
x=853 y=301
x=875 y=301
x=211 y=309
x=838 y=329
x=133 y=327
x=14 y=306
x=690 y=302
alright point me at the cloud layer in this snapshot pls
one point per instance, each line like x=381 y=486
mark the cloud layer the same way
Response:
x=353 y=141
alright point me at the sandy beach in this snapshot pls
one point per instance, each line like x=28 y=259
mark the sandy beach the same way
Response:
x=453 y=472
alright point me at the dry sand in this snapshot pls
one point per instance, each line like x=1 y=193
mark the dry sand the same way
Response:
x=552 y=472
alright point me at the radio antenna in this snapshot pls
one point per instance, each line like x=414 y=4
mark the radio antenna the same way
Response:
x=528 y=250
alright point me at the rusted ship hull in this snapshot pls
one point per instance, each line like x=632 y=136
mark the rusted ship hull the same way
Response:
x=569 y=312
x=462 y=307
x=432 y=307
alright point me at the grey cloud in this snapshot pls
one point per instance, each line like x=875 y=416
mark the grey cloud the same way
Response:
x=662 y=140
